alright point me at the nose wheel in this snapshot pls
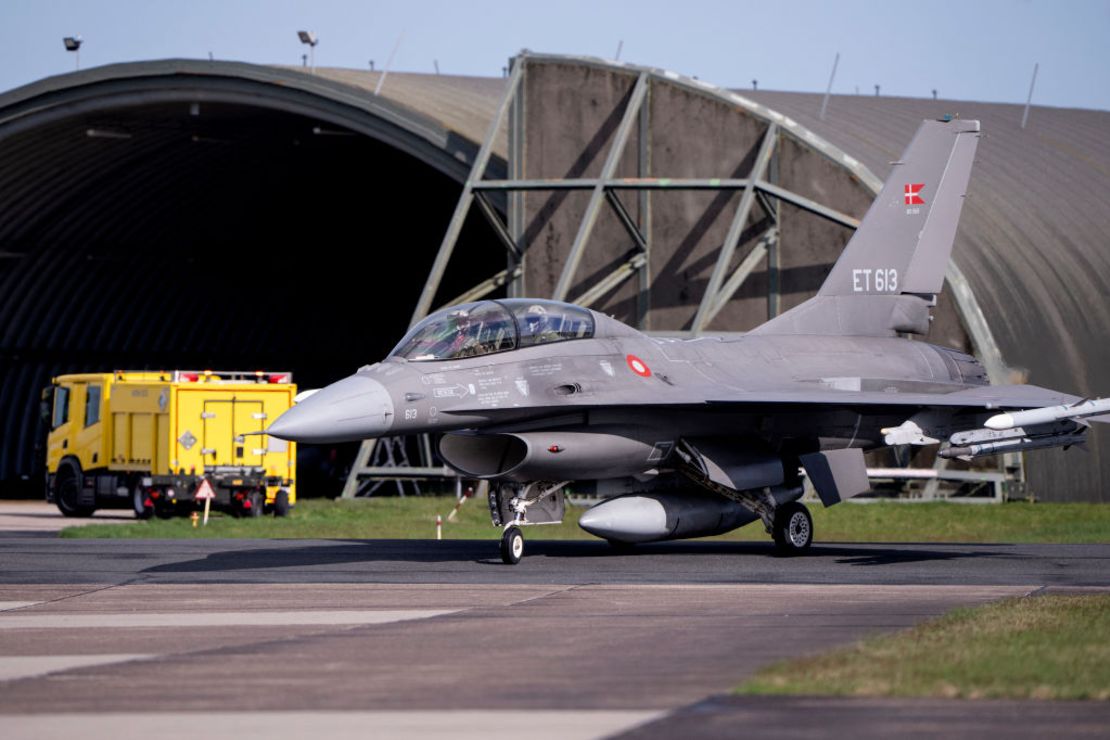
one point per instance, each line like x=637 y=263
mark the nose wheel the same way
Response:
x=512 y=545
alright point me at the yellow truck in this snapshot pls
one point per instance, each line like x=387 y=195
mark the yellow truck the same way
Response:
x=146 y=440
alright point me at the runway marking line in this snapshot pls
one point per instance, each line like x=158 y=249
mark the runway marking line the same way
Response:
x=6 y=606
x=568 y=724
x=85 y=620
x=31 y=666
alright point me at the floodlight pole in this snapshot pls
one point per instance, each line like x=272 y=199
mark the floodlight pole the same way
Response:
x=308 y=37
x=73 y=43
x=828 y=90
x=1028 y=100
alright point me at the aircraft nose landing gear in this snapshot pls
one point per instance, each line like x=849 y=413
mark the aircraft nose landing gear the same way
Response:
x=512 y=545
x=513 y=506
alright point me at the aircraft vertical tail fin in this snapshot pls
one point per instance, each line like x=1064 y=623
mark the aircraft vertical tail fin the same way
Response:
x=888 y=275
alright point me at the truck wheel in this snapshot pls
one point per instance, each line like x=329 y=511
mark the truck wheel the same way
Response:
x=281 y=503
x=139 y=503
x=67 y=490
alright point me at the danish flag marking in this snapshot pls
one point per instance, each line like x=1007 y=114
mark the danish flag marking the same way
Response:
x=912 y=197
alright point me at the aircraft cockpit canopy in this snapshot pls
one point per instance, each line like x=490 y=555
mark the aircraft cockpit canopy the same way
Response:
x=486 y=327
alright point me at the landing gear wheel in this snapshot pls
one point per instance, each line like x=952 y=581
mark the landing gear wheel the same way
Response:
x=281 y=503
x=793 y=530
x=141 y=504
x=512 y=545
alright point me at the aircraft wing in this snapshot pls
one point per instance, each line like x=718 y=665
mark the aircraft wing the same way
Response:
x=805 y=394
x=985 y=397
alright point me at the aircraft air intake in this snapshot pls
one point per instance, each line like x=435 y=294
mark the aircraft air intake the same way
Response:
x=555 y=455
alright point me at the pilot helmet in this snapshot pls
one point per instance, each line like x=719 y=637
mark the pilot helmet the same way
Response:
x=460 y=317
x=534 y=316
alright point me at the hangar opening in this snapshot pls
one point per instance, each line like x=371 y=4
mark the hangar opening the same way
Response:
x=156 y=221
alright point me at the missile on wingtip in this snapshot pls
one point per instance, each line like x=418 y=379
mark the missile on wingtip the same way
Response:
x=1048 y=414
x=1018 y=444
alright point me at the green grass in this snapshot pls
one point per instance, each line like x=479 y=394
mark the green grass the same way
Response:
x=1050 y=647
x=414 y=518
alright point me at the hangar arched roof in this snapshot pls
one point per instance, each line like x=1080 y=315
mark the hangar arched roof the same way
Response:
x=439 y=127
x=134 y=199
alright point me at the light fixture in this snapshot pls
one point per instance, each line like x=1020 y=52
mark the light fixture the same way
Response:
x=308 y=37
x=73 y=43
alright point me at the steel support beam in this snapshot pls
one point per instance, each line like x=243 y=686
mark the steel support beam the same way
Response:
x=807 y=205
x=515 y=200
x=612 y=280
x=761 y=249
x=620 y=183
x=735 y=230
x=487 y=286
x=643 y=169
x=616 y=150
x=362 y=460
x=477 y=172
x=768 y=208
x=774 y=255
x=626 y=220
x=498 y=225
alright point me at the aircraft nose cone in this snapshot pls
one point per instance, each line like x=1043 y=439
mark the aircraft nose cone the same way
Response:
x=351 y=409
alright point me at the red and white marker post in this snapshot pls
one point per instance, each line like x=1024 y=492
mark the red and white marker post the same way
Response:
x=206 y=494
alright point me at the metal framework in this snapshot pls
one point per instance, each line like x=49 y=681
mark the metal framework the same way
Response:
x=758 y=187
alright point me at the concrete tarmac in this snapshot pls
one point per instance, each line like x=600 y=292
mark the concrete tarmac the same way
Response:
x=425 y=638
x=41 y=518
x=50 y=560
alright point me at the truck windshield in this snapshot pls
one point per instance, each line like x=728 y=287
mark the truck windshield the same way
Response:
x=61 y=406
x=474 y=329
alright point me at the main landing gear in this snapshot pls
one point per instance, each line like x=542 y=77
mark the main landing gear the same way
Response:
x=793 y=528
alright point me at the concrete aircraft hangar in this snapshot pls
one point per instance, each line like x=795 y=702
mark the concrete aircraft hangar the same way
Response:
x=216 y=214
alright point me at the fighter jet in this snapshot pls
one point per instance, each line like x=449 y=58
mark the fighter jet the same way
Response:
x=695 y=437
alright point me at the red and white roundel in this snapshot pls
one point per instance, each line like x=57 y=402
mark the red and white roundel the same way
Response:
x=638 y=366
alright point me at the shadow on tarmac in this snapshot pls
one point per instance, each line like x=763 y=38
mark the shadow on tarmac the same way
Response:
x=483 y=552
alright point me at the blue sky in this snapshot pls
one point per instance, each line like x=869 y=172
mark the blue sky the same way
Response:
x=975 y=49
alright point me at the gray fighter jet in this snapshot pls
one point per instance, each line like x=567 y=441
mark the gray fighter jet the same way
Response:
x=689 y=438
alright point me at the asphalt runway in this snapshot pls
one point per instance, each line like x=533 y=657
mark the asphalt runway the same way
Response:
x=425 y=638
x=52 y=560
